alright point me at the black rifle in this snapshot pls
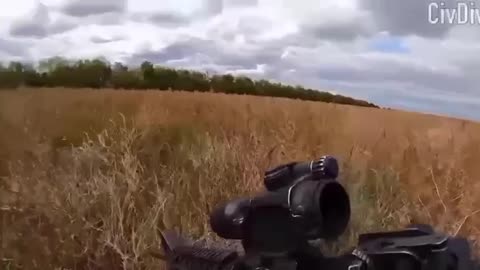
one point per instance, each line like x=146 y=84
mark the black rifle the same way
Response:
x=303 y=202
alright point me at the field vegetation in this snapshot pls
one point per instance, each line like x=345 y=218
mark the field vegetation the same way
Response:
x=88 y=177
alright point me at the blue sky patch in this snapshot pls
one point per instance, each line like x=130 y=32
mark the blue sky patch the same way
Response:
x=389 y=44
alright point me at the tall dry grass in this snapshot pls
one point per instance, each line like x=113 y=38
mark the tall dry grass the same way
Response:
x=88 y=177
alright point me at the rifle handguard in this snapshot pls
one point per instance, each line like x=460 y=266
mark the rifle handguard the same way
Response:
x=203 y=259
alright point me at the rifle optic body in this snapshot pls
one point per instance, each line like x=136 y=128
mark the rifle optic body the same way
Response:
x=303 y=202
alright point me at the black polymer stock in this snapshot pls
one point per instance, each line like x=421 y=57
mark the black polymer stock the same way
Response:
x=303 y=202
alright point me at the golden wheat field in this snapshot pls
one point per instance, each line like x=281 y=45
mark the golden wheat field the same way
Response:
x=88 y=177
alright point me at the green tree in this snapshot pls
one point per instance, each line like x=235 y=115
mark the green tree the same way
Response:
x=147 y=70
x=243 y=85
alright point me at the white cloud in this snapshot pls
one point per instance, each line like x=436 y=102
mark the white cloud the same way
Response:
x=327 y=46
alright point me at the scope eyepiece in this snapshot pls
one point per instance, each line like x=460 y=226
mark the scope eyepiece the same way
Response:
x=324 y=207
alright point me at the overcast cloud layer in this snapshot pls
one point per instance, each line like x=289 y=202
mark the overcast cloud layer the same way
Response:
x=384 y=51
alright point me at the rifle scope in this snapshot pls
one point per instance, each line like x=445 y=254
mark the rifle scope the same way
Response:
x=303 y=201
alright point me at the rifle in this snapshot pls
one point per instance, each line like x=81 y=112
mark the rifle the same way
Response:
x=303 y=201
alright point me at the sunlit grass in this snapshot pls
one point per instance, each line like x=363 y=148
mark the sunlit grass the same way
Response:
x=88 y=177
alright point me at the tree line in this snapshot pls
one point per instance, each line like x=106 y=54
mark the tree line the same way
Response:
x=99 y=73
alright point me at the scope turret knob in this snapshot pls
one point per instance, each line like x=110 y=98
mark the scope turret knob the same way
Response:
x=324 y=168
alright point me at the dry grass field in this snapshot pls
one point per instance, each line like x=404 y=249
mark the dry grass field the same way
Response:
x=87 y=177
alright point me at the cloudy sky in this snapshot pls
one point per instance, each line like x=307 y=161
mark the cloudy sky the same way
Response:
x=385 y=51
